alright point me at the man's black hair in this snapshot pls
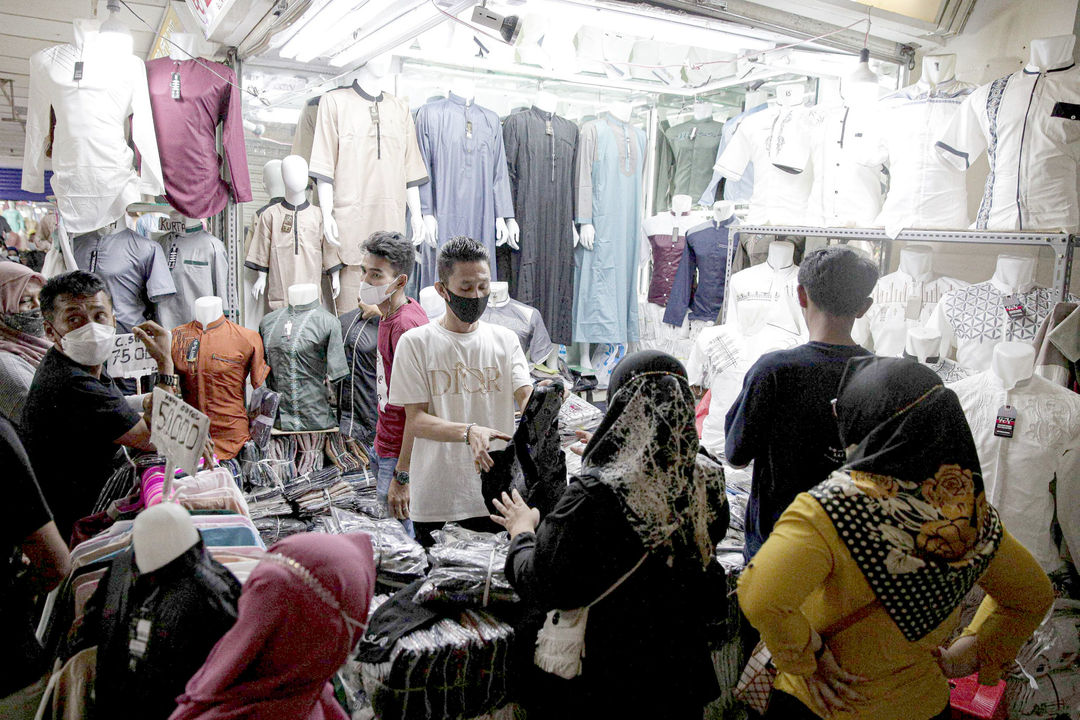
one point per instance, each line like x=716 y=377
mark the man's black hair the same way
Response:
x=77 y=284
x=393 y=248
x=838 y=279
x=461 y=249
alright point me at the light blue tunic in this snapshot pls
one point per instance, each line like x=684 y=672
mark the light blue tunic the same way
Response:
x=610 y=163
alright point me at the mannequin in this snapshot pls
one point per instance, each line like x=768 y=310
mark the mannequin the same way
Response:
x=469 y=193
x=937 y=69
x=500 y=294
x=686 y=157
x=1012 y=363
x=546 y=101
x=621 y=111
x=273 y=182
x=207 y=310
x=924 y=345
x=790 y=94
x=432 y=302
x=781 y=254
x=1014 y=273
x=161 y=534
x=524 y=320
x=304 y=349
x=293 y=217
x=703 y=111
x=764 y=295
x=701 y=279
x=183 y=46
x=903 y=300
x=198 y=264
x=722 y=210
x=1032 y=138
x=667 y=237
x=364 y=183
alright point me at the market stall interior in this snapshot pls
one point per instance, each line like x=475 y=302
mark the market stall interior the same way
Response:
x=642 y=176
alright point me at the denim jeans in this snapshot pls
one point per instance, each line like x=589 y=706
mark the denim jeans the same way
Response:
x=384 y=475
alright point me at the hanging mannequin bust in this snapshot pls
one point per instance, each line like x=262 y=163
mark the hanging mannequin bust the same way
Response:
x=924 y=344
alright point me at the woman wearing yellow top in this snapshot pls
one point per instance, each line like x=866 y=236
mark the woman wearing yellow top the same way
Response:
x=896 y=539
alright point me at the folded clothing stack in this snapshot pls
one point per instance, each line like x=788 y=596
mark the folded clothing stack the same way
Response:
x=273 y=528
x=399 y=559
x=346 y=453
x=261 y=413
x=268 y=502
x=317 y=490
x=456 y=667
x=467 y=569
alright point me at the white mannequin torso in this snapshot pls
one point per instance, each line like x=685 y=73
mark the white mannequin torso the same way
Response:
x=272 y=180
x=500 y=294
x=918 y=262
x=545 y=101
x=923 y=343
x=722 y=210
x=208 y=309
x=161 y=534
x=781 y=255
x=1013 y=273
x=294 y=175
x=703 y=111
x=303 y=294
x=183 y=46
x=790 y=94
x=621 y=111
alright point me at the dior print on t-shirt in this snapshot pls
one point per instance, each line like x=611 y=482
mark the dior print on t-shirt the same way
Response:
x=462 y=379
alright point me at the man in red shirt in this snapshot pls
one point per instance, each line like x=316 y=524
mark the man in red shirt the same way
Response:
x=388 y=260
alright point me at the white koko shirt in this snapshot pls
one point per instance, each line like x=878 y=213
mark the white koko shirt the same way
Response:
x=463 y=377
x=1029 y=125
x=773 y=138
x=923 y=191
x=760 y=296
x=845 y=193
x=1018 y=471
x=93 y=86
x=900 y=302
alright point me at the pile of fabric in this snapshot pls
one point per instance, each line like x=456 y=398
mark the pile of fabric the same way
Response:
x=399 y=560
x=273 y=528
x=315 y=491
x=467 y=569
x=1047 y=685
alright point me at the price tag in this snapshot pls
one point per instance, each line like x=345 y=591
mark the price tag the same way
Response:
x=468 y=129
x=1013 y=307
x=78 y=71
x=548 y=129
x=286 y=224
x=129 y=358
x=1005 y=424
x=179 y=433
x=913 y=307
x=174 y=86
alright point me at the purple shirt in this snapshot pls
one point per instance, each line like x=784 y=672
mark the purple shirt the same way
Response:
x=667 y=237
x=187 y=134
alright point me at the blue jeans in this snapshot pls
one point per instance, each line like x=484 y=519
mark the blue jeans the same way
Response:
x=384 y=475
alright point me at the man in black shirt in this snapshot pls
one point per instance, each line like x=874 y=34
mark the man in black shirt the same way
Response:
x=783 y=420
x=75 y=415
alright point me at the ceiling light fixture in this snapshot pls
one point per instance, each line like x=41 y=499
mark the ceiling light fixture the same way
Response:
x=508 y=26
x=394 y=28
x=861 y=86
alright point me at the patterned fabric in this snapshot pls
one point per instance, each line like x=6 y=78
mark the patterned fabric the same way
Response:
x=646 y=451
x=910 y=504
x=993 y=104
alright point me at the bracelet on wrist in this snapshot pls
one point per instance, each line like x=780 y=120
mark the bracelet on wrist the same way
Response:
x=468 y=430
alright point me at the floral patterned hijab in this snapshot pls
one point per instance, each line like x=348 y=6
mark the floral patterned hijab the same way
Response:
x=910 y=504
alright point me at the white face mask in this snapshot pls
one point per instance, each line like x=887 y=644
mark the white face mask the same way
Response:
x=375 y=294
x=90 y=345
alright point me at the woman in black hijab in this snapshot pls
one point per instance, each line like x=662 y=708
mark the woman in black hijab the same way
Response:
x=645 y=506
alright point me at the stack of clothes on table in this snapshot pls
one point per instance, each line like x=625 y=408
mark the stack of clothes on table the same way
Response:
x=467 y=569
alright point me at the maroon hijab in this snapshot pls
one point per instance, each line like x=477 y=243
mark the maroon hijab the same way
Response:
x=298 y=622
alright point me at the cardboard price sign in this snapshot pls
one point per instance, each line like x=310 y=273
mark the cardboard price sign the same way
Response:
x=129 y=358
x=179 y=433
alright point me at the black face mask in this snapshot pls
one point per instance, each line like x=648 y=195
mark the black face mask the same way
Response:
x=30 y=323
x=467 y=309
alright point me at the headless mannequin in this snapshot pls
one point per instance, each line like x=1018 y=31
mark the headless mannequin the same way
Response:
x=937 y=69
x=272 y=180
x=923 y=343
x=294 y=174
x=918 y=262
x=161 y=534
x=507 y=231
x=781 y=254
x=702 y=110
x=208 y=309
x=1013 y=363
x=790 y=94
x=373 y=77
x=722 y=210
x=500 y=294
x=1013 y=273
x=433 y=304
x=681 y=204
x=621 y=112
x=303 y=294
x=1051 y=53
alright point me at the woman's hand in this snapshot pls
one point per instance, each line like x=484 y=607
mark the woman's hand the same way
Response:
x=516 y=516
x=830 y=686
x=583 y=436
x=959 y=659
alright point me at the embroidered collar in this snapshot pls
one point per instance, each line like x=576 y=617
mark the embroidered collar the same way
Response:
x=364 y=94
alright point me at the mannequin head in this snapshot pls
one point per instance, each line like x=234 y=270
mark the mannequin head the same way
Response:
x=184 y=46
x=208 y=309
x=790 y=94
x=161 y=534
x=464 y=88
x=500 y=293
x=372 y=75
x=1050 y=53
x=917 y=261
x=723 y=209
x=294 y=173
x=433 y=304
x=1014 y=273
x=1013 y=363
x=681 y=204
x=923 y=343
x=303 y=294
x=272 y=180
x=781 y=254
x=937 y=69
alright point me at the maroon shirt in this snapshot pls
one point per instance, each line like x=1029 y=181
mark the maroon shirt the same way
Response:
x=391 y=424
x=666 y=254
x=187 y=134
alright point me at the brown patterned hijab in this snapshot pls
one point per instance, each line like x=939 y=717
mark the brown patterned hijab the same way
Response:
x=910 y=504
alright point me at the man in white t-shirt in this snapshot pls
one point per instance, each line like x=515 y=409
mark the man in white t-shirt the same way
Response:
x=458 y=379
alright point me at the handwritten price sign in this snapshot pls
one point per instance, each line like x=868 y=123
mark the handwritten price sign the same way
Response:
x=129 y=358
x=179 y=433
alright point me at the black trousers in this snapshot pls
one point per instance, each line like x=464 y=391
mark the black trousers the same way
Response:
x=788 y=707
x=478 y=524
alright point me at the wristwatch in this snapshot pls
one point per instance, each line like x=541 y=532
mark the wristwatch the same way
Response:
x=172 y=381
x=402 y=476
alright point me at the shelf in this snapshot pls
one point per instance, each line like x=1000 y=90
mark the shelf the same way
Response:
x=954 y=236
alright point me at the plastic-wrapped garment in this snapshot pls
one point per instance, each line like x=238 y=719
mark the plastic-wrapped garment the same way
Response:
x=261 y=412
x=345 y=453
x=267 y=502
x=468 y=569
x=398 y=557
x=577 y=414
x=119 y=485
x=457 y=667
x=533 y=463
x=272 y=529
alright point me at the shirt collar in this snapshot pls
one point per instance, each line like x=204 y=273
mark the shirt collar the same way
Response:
x=926 y=278
x=544 y=114
x=933 y=360
x=365 y=94
x=1006 y=290
x=295 y=208
x=458 y=99
x=296 y=310
x=1032 y=70
x=212 y=326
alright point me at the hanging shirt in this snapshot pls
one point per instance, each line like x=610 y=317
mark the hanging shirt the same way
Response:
x=667 y=238
x=734 y=190
x=304 y=137
x=1029 y=125
x=901 y=302
x=777 y=142
x=199 y=267
x=213 y=364
x=974 y=320
x=701 y=275
x=760 y=296
x=1034 y=474
x=357 y=403
x=611 y=156
x=304 y=350
x=93 y=87
x=365 y=146
x=923 y=191
x=462 y=145
x=688 y=153
x=526 y=323
x=289 y=245
x=134 y=270
x=541 y=172
x=845 y=193
x=190 y=98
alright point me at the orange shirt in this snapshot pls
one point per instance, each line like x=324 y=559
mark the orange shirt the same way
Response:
x=212 y=365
